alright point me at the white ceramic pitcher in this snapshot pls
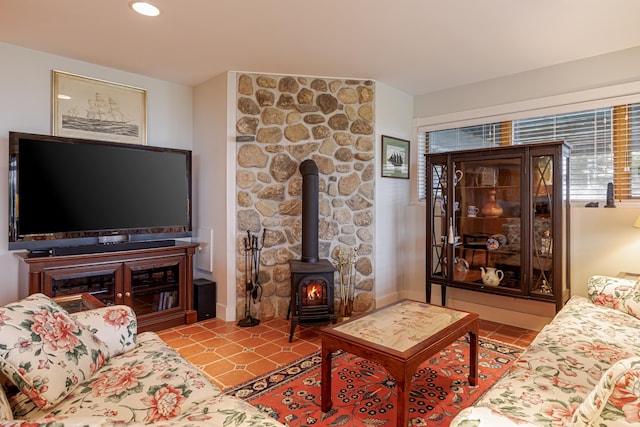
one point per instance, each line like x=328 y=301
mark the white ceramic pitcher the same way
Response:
x=491 y=277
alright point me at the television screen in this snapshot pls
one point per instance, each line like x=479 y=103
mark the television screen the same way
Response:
x=68 y=188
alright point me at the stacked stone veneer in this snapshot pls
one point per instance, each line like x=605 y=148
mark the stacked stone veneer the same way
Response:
x=281 y=121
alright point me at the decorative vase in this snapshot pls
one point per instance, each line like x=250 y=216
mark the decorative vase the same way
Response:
x=492 y=208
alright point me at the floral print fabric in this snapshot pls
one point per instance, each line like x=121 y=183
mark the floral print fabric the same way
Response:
x=44 y=352
x=116 y=326
x=615 y=398
x=620 y=294
x=147 y=385
x=582 y=369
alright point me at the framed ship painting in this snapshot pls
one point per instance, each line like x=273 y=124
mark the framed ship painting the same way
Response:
x=96 y=109
x=395 y=157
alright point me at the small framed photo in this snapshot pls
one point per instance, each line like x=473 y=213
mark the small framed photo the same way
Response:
x=96 y=109
x=395 y=157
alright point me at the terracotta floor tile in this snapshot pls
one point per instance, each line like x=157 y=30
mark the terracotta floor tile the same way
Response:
x=192 y=350
x=304 y=347
x=234 y=378
x=229 y=349
x=274 y=334
x=253 y=342
x=219 y=367
x=203 y=358
x=239 y=335
x=215 y=341
x=179 y=342
x=283 y=358
x=191 y=329
x=244 y=358
x=267 y=349
x=203 y=335
x=261 y=367
x=169 y=334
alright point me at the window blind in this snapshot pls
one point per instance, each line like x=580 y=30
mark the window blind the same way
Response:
x=464 y=138
x=589 y=134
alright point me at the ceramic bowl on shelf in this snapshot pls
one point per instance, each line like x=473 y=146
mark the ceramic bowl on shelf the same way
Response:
x=492 y=244
x=501 y=238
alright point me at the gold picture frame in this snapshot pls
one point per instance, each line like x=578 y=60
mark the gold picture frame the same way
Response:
x=395 y=157
x=89 y=108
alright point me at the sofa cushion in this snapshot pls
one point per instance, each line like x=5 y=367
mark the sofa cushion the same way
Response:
x=614 y=292
x=116 y=326
x=44 y=351
x=615 y=399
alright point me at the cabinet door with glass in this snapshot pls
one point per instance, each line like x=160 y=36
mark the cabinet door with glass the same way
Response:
x=495 y=218
x=153 y=286
x=103 y=282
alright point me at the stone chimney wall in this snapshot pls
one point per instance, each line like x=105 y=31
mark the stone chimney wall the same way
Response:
x=280 y=122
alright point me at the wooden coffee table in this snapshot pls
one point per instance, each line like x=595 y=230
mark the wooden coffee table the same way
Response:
x=399 y=337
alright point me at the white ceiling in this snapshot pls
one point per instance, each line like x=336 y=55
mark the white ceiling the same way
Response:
x=417 y=46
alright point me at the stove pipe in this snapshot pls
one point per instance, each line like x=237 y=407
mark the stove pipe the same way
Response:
x=309 y=171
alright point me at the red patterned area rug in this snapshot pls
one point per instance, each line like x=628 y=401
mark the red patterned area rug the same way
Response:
x=364 y=395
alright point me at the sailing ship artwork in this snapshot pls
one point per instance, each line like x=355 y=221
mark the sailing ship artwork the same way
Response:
x=97 y=109
x=395 y=157
x=102 y=114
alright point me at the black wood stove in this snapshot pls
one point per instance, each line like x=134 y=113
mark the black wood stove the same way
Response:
x=312 y=279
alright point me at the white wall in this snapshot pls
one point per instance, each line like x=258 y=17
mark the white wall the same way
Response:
x=602 y=240
x=394 y=110
x=25 y=106
x=215 y=148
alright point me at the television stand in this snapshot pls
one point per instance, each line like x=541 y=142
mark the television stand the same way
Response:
x=110 y=247
x=156 y=282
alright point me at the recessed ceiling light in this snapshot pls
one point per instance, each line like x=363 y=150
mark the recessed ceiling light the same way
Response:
x=144 y=8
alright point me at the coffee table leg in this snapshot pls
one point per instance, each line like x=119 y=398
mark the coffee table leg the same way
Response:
x=404 y=381
x=327 y=360
x=473 y=358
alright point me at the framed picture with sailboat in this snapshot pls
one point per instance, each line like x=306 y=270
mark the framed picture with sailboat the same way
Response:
x=395 y=157
x=96 y=109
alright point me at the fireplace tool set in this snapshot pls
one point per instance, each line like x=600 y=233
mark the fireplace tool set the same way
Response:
x=253 y=287
x=346 y=266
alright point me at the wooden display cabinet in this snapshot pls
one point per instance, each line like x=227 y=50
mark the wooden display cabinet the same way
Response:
x=155 y=282
x=500 y=212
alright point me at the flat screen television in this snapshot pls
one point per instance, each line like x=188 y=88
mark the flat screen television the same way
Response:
x=71 y=192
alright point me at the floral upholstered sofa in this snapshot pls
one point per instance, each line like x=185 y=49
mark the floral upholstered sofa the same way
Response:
x=583 y=369
x=92 y=369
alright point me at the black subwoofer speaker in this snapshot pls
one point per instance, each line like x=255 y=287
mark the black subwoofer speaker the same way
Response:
x=204 y=298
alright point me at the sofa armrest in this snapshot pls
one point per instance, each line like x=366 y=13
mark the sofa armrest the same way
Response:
x=616 y=399
x=614 y=292
x=116 y=326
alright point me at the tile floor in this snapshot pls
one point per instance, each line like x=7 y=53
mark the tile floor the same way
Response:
x=231 y=355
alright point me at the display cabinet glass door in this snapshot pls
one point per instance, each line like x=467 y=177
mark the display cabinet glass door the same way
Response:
x=101 y=283
x=155 y=288
x=438 y=236
x=487 y=218
x=477 y=210
x=543 y=226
